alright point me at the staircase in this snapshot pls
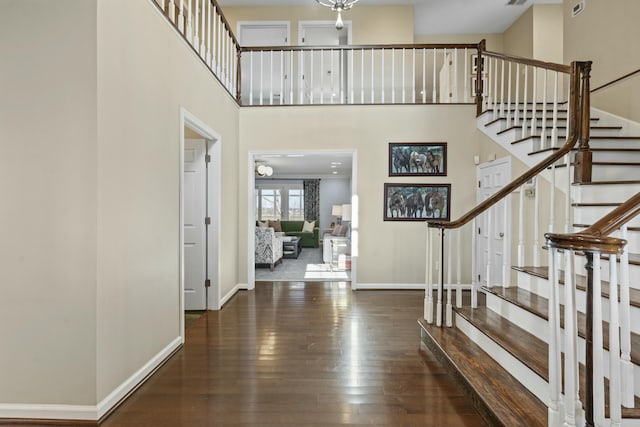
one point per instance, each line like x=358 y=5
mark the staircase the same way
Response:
x=500 y=351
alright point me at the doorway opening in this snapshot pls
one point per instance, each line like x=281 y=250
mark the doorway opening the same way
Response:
x=200 y=205
x=326 y=254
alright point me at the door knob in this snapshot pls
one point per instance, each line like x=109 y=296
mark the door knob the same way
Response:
x=501 y=234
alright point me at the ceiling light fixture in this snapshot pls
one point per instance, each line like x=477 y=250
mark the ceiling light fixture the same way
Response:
x=338 y=6
x=264 y=170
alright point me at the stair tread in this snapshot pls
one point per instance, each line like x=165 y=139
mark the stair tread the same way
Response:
x=524 y=346
x=509 y=401
x=589 y=225
x=539 y=306
x=606 y=182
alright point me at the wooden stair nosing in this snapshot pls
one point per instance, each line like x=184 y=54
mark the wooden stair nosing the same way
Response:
x=618 y=182
x=589 y=225
x=483 y=379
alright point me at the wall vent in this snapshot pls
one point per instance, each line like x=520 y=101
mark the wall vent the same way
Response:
x=579 y=7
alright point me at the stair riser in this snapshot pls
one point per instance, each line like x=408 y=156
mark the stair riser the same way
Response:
x=613 y=143
x=540 y=328
x=614 y=172
x=532 y=381
x=591 y=214
x=616 y=156
x=634 y=270
x=607 y=193
x=516 y=133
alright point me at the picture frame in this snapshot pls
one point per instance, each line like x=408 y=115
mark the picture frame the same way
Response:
x=474 y=64
x=417 y=159
x=417 y=202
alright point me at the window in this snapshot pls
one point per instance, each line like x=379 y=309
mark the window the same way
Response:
x=280 y=201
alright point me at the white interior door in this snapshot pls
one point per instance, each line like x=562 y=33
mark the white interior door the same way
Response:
x=195 y=201
x=493 y=249
x=325 y=76
x=264 y=77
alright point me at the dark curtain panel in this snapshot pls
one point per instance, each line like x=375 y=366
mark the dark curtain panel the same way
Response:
x=311 y=189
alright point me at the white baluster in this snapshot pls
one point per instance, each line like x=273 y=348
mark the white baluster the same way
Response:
x=444 y=61
x=521 y=227
x=552 y=200
x=413 y=77
x=428 y=295
x=434 y=94
x=203 y=47
x=474 y=264
x=208 y=54
x=196 y=22
x=625 y=327
x=555 y=370
x=424 y=75
x=496 y=112
x=570 y=349
x=351 y=84
x=534 y=97
x=489 y=216
x=554 y=126
x=536 y=223
x=458 y=269
x=382 y=76
x=331 y=80
x=261 y=77
x=311 y=76
x=393 y=76
x=214 y=44
x=362 y=76
x=598 y=357
x=440 y=284
x=525 y=89
x=282 y=77
x=373 y=84
x=615 y=410
x=341 y=81
x=172 y=11
x=321 y=76
x=189 y=31
x=502 y=113
x=506 y=281
x=455 y=75
x=449 y=311
x=543 y=132
x=291 y=77
x=403 y=74
x=516 y=111
x=301 y=88
x=509 y=98
x=271 y=77
x=251 y=53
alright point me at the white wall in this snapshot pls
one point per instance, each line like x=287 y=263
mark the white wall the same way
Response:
x=389 y=252
x=333 y=191
x=48 y=125
x=146 y=74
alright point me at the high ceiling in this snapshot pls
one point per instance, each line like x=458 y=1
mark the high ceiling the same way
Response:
x=437 y=16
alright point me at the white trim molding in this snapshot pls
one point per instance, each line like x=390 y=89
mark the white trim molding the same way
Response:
x=90 y=412
x=232 y=292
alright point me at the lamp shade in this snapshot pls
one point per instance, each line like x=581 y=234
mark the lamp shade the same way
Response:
x=336 y=210
x=346 y=212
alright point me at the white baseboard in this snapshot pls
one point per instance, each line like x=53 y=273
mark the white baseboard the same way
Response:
x=404 y=286
x=232 y=292
x=89 y=412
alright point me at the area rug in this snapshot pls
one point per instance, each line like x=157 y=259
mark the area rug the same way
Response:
x=307 y=267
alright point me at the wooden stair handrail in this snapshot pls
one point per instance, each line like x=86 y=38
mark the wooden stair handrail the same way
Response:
x=362 y=47
x=575 y=115
x=527 y=61
x=596 y=237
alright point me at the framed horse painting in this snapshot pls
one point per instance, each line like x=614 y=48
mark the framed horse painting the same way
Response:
x=418 y=159
x=417 y=202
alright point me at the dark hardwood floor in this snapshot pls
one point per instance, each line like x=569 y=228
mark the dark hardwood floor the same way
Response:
x=302 y=354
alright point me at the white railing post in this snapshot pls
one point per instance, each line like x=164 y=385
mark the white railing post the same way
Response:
x=570 y=348
x=536 y=223
x=270 y=77
x=554 y=125
x=455 y=75
x=448 y=310
x=615 y=410
x=203 y=47
x=362 y=76
x=350 y=79
x=428 y=280
x=552 y=199
x=196 y=32
x=261 y=77
x=489 y=215
x=502 y=114
x=625 y=327
x=474 y=264
x=466 y=77
x=393 y=76
x=424 y=75
x=322 y=77
x=505 y=247
x=413 y=76
x=509 y=98
x=516 y=112
x=440 y=278
x=525 y=89
x=543 y=131
x=382 y=75
x=521 y=227
x=172 y=11
x=251 y=53
x=373 y=84
x=458 y=269
x=555 y=369
x=291 y=57
x=534 y=113
x=496 y=112
x=434 y=89
x=311 y=77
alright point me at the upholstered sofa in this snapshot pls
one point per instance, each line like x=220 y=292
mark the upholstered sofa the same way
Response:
x=268 y=247
x=307 y=239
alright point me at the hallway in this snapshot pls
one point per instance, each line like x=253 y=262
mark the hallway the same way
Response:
x=302 y=354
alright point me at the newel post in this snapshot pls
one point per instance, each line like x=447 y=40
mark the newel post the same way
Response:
x=479 y=90
x=582 y=168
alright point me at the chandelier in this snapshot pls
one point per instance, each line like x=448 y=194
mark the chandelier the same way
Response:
x=338 y=6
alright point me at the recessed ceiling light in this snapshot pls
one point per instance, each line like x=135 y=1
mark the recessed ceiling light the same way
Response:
x=335 y=172
x=333 y=166
x=336 y=163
